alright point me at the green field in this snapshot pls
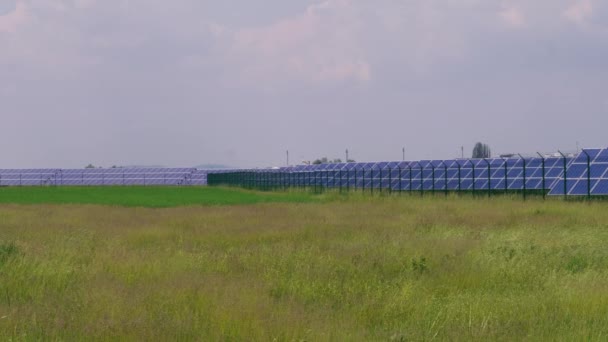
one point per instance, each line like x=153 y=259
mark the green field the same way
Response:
x=304 y=268
x=141 y=196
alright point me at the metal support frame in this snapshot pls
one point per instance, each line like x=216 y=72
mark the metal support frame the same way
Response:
x=544 y=186
x=473 y=175
x=433 y=177
x=400 y=180
x=525 y=176
x=459 y=176
x=506 y=164
x=421 y=179
x=390 y=179
x=409 y=165
x=445 y=177
x=565 y=174
x=489 y=177
x=588 y=174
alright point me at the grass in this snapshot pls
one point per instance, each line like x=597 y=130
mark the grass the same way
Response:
x=352 y=268
x=140 y=196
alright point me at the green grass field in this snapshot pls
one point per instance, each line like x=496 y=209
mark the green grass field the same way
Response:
x=140 y=196
x=304 y=268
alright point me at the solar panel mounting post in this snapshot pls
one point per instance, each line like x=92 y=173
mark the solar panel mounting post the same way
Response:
x=542 y=158
x=588 y=174
x=445 y=178
x=390 y=180
x=489 y=177
x=381 y=179
x=371 y=180
x=421 y=180
x=276 y=181
x=400 y=180
x=459 y=176
x=473 y=175
x=507 y=175
x=433 y=177
x=524 y=161
x=379 y=176
x=262 y=178
x=565 y=174
x=409 y=165
x=362 y=179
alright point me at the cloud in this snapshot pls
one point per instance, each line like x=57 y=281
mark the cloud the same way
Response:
x=513 y=17
x=319 y=45
x=579 y=12
x=10 y=22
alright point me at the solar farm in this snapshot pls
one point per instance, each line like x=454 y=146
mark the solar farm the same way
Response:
x=464 y=249
x=103 y=177
x=585 y=174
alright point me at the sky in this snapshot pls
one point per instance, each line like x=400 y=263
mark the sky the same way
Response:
x=237 y=82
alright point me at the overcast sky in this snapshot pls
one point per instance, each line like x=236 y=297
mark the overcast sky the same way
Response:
x=238 y=82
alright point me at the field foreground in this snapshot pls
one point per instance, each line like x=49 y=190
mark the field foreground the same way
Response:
x=349 y=269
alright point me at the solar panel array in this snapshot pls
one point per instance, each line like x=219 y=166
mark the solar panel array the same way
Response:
x=583 y=174
x=101 y=177
x=429 y=175
x=586 y=174
x=542 y=174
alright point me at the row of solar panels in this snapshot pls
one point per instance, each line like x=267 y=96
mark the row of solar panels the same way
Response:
x=586 y=173
x=101 y=171
x=126 y=176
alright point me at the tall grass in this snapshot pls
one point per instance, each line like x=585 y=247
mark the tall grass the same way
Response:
x=352 y=268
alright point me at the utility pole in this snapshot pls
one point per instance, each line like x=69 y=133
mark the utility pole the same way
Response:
x=403 y=150
x=462 y=152
x=288 y=158
x=346 y=161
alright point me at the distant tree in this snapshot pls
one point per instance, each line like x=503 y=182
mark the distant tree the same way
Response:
x=351 y=161
x=325 y=160
x=90 y=166
x=320 y=161
x=481 y=150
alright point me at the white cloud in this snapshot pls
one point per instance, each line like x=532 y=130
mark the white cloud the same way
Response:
x=320 y=44
x=579 y=12
x=11 y=21
x=513 y=17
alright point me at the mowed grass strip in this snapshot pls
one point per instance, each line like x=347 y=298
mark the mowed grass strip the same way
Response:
x=357 y=269
x=146 y=196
